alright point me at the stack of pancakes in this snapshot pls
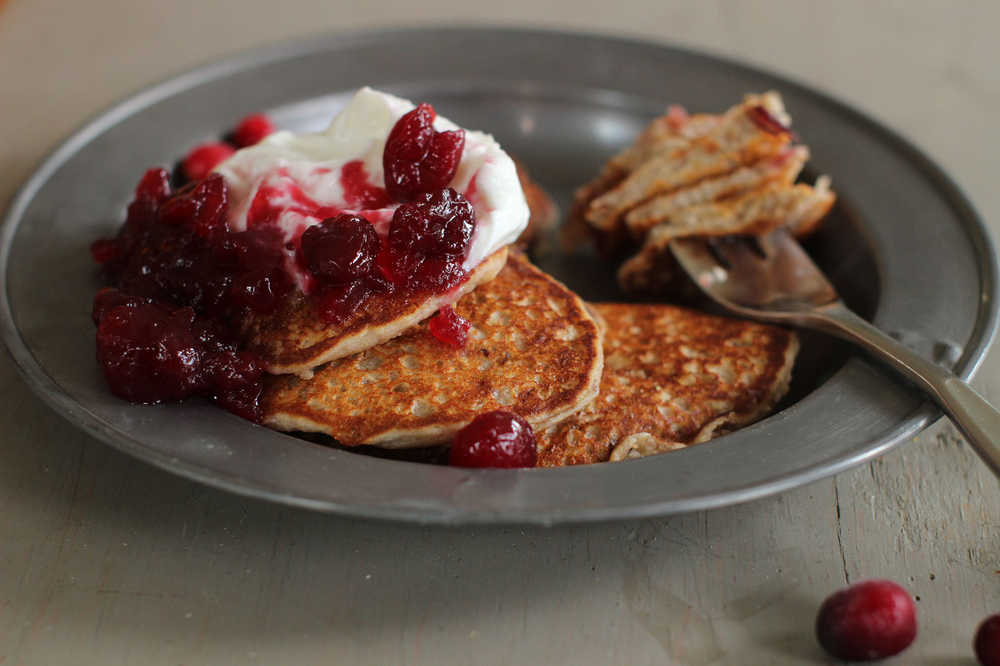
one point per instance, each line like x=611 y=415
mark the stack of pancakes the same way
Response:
x=702 y=175
x=597 y=382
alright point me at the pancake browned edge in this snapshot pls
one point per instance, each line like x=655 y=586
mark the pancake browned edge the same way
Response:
x=295 y=339
x=533 y=349
x=672 y=377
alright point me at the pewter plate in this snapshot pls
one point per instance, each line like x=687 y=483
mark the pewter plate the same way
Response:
x=904 y=246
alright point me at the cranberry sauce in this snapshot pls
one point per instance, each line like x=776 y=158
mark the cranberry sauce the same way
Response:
x=417 y=158
x=449 y=327
x=183 y=279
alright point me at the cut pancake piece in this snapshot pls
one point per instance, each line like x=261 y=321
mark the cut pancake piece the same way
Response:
x=783 y=168
x=797 y=207
x=736 y=140
x=672 y=377
x=296 y=339
x=533 y=349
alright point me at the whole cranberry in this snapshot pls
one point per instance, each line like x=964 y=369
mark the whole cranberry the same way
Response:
x=204 y=157
x=252 y=129
x=987 y=641
x=341 y=249
x=495 y=439
x=438 y=225
x=417 y=158
x=870 y=620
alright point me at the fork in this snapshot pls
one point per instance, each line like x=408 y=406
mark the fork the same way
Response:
x=774 y=280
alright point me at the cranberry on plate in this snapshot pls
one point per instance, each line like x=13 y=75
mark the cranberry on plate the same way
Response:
x=870 y=620
x=252 y=129
x=495 y=439
x=204 y=157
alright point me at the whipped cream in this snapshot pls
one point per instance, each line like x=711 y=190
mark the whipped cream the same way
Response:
x=299 y=179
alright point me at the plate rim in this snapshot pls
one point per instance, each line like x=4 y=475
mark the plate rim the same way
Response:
x=48 y=389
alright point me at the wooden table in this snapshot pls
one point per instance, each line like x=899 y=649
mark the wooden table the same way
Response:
x=108 y=561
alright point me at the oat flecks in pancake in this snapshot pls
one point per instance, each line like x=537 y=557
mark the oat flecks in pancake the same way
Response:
x=533 y=349
x=734 y=141
x=783 y=169
x=672 y=377
x=797 y=207
x=295 y=339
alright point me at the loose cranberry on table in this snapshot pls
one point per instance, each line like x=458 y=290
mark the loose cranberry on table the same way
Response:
x=870 y=620
x=495 y=439
x=203 y=158
x=987 y=641
x=252 y=130
x=417 y=158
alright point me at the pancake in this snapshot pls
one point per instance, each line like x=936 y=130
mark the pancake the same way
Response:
x=533 y=349
x=799 y=207
x=672 y=377
x=295 y=339
x=681 y=160
x=783 y=169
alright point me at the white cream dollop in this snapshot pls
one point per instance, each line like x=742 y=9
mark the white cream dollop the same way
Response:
x=314 y=163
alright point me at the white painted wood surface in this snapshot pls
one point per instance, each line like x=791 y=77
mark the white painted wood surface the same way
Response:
x=104 y=560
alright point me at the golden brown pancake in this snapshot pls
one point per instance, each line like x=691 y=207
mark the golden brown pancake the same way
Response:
x=797 y=207
x=784 y=169
x=296 y=339
x=698 y=176
x=672 y=377
x=533 y=349
x=681 y=160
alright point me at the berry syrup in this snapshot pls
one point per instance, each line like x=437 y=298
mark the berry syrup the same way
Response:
x=182 y=279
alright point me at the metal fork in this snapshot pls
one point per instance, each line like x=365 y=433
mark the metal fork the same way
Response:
x=776 y=281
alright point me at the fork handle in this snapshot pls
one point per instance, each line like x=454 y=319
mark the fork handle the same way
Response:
x=978 y=420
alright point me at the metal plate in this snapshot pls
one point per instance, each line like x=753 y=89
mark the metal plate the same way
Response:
x=904 y=241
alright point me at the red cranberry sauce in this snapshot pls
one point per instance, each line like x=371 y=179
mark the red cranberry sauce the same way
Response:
x=183 y=278
x=179 y=276
x=449 y=327
x=417 y=158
